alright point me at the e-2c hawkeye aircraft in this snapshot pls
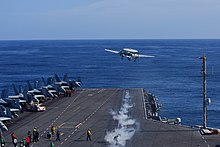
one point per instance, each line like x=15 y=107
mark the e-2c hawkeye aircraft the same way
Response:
x=129 y=54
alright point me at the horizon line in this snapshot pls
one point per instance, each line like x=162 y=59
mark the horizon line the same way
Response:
x=109 y=39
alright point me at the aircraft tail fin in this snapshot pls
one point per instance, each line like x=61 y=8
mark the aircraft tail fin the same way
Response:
x=50 y=81
x=57 y=78
x=25 y=92
x=20 y=89
x=4 y=93
x=15 y=89
x=36 y=84
x=44 y=81
x=65 y=78
x=79 y=79
x=29 y=85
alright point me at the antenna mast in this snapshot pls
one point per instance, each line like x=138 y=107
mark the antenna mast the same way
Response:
x=204 y=91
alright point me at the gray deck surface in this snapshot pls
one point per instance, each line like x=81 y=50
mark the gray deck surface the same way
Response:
x=90 y=108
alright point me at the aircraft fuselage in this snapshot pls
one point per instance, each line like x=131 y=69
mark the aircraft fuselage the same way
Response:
x=129 y=55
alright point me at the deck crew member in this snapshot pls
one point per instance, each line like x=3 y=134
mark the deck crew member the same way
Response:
x=48 y=135
x=58 y=135
x=89 y=134
x=35 y=135
x=53 y=129
x=27 y=141
x=2 y=141
x=51 y=144
x=14 y=139
x=29 y=134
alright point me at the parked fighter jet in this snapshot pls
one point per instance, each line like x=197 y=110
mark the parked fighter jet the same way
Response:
x=13 y=105
x=10 y=103
x=35 y=94
x=129 y=53
x=48 y=90
x=74 y=83
x=5 y=115
x=18 y=94
x=61 y=86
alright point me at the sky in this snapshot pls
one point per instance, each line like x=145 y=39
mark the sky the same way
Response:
x=109 y=19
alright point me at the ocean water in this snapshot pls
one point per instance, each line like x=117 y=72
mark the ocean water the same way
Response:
x=174 y=75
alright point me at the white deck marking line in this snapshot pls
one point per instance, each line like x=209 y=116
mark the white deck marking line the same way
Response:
x=145 y=110
x=61 y=114
x=204 y=139
x=78 y=126
x=61 y=125
x=100 y=91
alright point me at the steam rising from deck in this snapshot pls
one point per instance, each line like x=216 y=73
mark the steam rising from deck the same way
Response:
x=126 y=125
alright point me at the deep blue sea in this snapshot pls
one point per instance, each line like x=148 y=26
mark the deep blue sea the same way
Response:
x=174 y=75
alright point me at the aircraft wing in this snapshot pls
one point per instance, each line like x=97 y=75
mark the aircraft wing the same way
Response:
x=112 y=51
x=2 y=118
x=146 y=56
x=3 y=126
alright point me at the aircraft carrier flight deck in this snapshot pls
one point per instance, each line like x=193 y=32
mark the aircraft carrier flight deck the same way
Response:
x=116 y=117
